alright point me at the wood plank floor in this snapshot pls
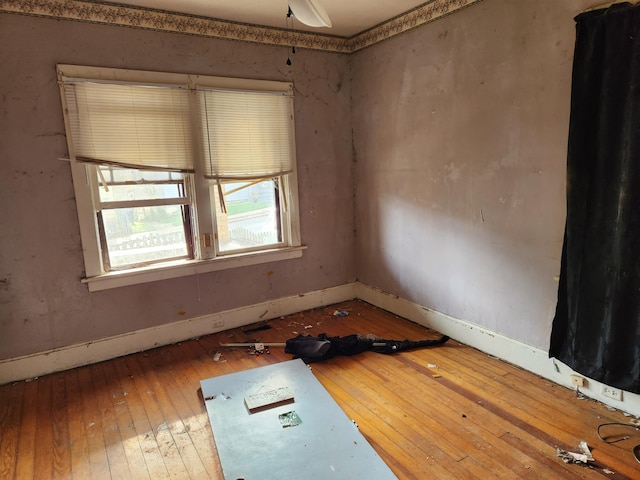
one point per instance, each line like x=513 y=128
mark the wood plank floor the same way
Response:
x=443 y=412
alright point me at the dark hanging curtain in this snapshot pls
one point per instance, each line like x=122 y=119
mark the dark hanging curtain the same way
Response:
x=596 y=329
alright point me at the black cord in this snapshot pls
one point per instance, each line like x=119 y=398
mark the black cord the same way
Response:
x=636 y=449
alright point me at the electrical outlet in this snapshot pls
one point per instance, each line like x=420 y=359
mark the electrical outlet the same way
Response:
x=577 y=381
x=218 y=323
x=611 y=392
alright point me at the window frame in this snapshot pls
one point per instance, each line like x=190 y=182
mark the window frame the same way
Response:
x=185 y=202
x=207 y=257
x=281 y=213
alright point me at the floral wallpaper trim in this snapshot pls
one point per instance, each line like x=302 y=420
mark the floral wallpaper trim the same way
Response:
x=149 y=19
x=425 y=13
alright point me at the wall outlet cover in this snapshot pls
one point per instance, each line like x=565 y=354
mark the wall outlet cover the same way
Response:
x=577 y=380
x=612 y=392
x=218 y=323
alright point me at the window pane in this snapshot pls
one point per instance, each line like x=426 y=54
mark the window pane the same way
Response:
x=128 y=184
x=144 y=235
x=252 y=219
x=120 y=175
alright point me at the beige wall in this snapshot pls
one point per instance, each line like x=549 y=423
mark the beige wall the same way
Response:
x=43 y=305
x=459 y=147
x=460 y=133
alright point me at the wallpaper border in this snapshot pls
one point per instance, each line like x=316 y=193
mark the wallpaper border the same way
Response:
x=104 y=13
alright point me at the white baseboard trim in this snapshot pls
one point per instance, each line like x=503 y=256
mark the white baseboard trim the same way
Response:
x=530 y=358
x=56 y=360
x=522 y=355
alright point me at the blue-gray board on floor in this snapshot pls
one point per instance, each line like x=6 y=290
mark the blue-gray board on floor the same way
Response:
x=326 y=444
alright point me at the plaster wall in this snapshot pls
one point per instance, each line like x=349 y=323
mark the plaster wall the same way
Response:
x=460 y=142
x=43 y=304
x=459 y=132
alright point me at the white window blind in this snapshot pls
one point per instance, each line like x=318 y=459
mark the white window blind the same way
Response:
x=138 y=126
x=246 y=135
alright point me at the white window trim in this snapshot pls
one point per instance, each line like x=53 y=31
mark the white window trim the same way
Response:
x=95 y=277
x=183 y=268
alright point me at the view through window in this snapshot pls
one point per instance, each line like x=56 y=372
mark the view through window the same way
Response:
x=175 y=168
x=144 y=216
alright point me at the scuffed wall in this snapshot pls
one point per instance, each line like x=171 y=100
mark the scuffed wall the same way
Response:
x=460 y=135
x=458 y=161
x=43 y=304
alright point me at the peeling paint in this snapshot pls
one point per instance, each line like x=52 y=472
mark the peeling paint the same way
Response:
x=453 y=172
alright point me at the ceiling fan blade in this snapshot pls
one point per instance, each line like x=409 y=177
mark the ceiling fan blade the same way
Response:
x=310 y=12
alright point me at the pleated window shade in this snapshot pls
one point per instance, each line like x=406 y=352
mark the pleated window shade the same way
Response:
x=246 y=135
x=136 y=126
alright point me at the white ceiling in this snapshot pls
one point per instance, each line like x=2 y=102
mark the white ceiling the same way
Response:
x=348 y=17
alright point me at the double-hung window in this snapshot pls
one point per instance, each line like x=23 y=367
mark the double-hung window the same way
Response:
x=179 y=174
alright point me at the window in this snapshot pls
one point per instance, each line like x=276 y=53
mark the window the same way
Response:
x=143 y=217
x=178 y=174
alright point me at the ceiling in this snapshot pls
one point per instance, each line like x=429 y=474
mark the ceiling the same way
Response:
x=349 y=17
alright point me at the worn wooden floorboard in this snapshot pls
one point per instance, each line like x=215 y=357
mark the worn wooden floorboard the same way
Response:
x=446 y=412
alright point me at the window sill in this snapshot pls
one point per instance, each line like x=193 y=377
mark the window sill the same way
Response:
x=185 y=268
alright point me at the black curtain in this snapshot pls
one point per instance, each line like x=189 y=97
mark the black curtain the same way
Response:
x=596 y=329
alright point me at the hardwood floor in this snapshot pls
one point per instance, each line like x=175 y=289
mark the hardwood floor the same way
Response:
x=444 y=412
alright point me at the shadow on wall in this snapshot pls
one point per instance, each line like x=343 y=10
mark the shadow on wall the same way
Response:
x=460 y=132
x=491 y=260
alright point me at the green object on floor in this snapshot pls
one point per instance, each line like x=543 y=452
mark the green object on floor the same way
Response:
x=289 y=419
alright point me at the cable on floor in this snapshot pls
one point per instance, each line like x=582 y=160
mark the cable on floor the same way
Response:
x=635 y=450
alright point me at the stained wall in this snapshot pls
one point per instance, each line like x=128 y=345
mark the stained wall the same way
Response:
x=43 y=304
x=460 y=142
x=431 y=166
